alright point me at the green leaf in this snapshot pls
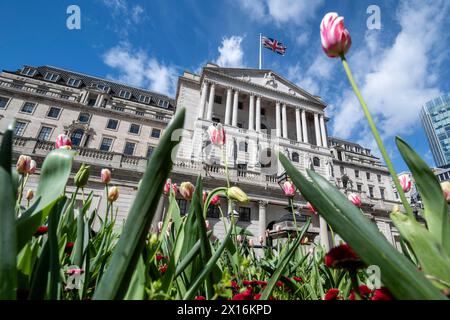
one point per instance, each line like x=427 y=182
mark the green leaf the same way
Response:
x=397 y=272
x=136 y=289
x=55 y=172
x=8 y=228
x=115 y=281
x=435 y=207
x=431 y=255
x=284 y=262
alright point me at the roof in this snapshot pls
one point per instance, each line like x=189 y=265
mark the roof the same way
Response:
x=88 y=80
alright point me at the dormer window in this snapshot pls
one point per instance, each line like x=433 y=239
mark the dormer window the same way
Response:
x=145 y=99
x=101 y=87
x=50 y=76
x=125 y=94
x=28 y=71
x=74 y=82
x=163 y=103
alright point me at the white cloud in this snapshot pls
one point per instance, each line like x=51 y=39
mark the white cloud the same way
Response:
x=137 y=14
x=302 y=39
x=138 y=69
x=280 y=11
x=230 y=52
x=395 y=81
x=128 y=15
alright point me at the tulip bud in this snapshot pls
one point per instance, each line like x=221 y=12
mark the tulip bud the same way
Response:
x=23 y=164
x=288 y=189
x=311 y=208
x=113 y=194
x=217 y=134
x=82 y=176
x=239 y=238
x=63 y=142
x=250 y=243
x=355 y=199
x=207 y=225
x=215 y=200
x=446 y=190
x=405 y=182
x=30 y=195
x=335 y=38
x=106 y=176
x=167 y=185
x=261 y=240
x=174 y=188
x=204 y=196
x=33 y=167
x=235 y=193
x=187 y=190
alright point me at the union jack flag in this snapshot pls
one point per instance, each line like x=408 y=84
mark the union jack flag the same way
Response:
x=273 y=45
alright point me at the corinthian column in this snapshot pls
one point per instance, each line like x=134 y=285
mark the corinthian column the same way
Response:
x=297 y=125
x=228 y=107
x=278 y=119
x=209 y=112
x=285 y=131
x=304 y=127
x=323 y=131
x=235 y=108
x=251 y=113
x=201 y=104
x=258 y=114
x=317 y=130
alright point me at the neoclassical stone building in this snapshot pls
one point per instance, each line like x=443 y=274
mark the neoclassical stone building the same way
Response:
x=116 y=126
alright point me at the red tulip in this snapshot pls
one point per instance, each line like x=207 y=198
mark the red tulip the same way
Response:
x=405 y=182
x=364 y=292
x=288 y=189
x=355 y=199
x=332 y=294
x=335 y=38
x=63 y=142
x=382 y=294
x=215 y=200
x=343 y=256
x=40 y=231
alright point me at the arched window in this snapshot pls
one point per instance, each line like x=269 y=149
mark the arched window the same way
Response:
x=295 y=157
x=76 y=137
x=316 y=162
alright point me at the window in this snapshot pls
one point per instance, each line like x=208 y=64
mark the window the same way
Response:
x=112 y=124
x=28 y=107
x=342 y=170
x=129 y=148
x=150 y=150
x=359 y=187
x=263 y=111
x=84 y=117
x=357 y=173
x=49 y=76
x=125 y=94
x=45 y=133
x=77 y=137
x=368 y=175
x=379 y=178
x=3 y=102
x=92 y=100
x=118 y=108
x=106 y=144
x=134 y=128
x=243 y=146
x=145 y=99
x=101 y=87
x=140 y=112
x=54 y=112
x=295 y=157
x=244 y=214
x=217 y=99
x=240 y=105
x=382 y=193
x=156 y=133
x=20 y=128
x=213 y=212
x=27 y=71
x=73 y=82
x=163 y=103
x=316 y=162
x=215 y=119
x=371 y=192
x=183 y=205
x=239 y=125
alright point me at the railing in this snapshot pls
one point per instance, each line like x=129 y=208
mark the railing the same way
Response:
x=38 y=91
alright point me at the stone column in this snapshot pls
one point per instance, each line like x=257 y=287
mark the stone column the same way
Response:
x=251 y=113
x=209 y=112
x=304 y=127
x=324 y=238
x=285 y=131
x=317 y=129
x=201 y=104
x=278 y=119
x=323 y=131
x=262 y=220
x=228 y=106
x=235 y=108
x=298 y=125
x=258 y=114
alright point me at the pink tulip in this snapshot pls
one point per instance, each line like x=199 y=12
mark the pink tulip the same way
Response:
x=105 y=175
x=113 y=194
x=204 y=196
x=187 y=190
x=288 y=189
x=446 y=190
x=207 y=225
x=311 y=208
x=335 y=38
x=167 y=185
x=75 y=271
x=33 y=167
x=250 y=243
x=217 y=134
x=23 y=164
x=215 y=200
x=355 y=199
x=63 y=142
x=405 y=182
x=239 y=238
x=261 y=240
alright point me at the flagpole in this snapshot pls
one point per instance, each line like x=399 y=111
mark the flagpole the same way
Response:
x=260 y=53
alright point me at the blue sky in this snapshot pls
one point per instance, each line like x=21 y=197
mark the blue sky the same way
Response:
x=150 y=43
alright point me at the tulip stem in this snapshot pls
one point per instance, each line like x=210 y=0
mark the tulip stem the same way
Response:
x=377 y=137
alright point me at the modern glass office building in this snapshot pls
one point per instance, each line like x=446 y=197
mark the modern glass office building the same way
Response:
x=435 y=117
